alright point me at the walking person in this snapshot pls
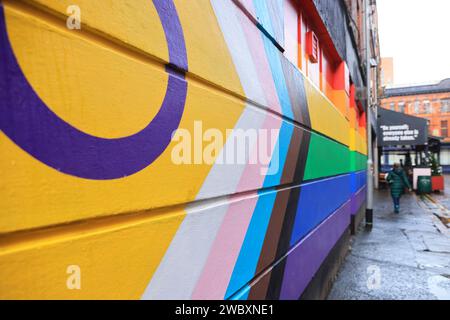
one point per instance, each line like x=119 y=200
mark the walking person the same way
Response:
x=398 y=182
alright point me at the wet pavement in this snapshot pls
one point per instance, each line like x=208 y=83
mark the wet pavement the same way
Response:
x=405 y=256
x=441 y=201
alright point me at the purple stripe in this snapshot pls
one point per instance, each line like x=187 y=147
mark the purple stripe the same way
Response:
x=174 y=33
x=357 y=200
x=28 y=122
x=306 y=258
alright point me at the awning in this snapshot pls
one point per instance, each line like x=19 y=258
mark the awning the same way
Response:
x=399 y=129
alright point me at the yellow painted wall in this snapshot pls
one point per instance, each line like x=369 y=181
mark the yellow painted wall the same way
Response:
x=109 y=80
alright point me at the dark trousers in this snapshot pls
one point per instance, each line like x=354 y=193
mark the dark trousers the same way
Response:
x=396 y=203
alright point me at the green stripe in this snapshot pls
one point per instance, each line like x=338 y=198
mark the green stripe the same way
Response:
x=326 y=158
x=329 y=158
x=359 y=161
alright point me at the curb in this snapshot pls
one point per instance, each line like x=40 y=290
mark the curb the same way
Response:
x=436 y=217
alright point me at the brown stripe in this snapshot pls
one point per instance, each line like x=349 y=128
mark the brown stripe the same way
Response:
x=277 y=273
x=296 y=90
x=270 y=245
x=292 y=156
x=269 y=249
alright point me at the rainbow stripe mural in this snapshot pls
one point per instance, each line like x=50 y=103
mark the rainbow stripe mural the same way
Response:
x=86 y=172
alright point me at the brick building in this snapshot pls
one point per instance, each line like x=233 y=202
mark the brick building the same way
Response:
x=429 y=101
x=387 y=67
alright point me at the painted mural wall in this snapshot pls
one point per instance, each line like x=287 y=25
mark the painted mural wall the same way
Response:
x=87 y=175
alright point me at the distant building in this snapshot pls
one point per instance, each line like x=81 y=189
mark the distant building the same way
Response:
x=429 y=101
x=387 y=71
x=355 y=11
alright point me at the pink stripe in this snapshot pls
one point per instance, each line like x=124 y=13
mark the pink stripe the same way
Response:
x=258 y=53
x=252 y=175
x=219 y=266
x=248 y=5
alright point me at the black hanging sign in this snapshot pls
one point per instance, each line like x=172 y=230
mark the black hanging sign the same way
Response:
x=395 y=128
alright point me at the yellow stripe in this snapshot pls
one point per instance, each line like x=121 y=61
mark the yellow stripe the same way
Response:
x=136 y=24
x=116 y=258
x=325 y=118
x=105 y=91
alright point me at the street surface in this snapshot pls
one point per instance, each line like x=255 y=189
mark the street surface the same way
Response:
x=405 y=256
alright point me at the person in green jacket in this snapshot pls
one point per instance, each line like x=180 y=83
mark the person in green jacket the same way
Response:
x=398 y=181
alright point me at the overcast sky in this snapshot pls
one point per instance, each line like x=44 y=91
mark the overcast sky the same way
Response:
x=416 y=33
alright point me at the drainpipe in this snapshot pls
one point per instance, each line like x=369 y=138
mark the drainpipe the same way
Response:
x=376 y=156
x=369 y=188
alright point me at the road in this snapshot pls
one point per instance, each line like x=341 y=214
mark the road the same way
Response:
x=405 y=256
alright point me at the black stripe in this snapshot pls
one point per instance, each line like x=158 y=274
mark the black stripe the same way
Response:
x=276 y=277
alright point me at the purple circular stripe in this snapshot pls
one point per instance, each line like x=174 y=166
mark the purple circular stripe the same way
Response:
x=27 y=121
x=174 y=33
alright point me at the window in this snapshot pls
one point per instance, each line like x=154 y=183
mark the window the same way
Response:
x=444 y=129
x=401 y=107
x=445 y=105
x=444 y=157
x=291 y=39
x=392 y=106
x=417 y=107
x=304 y=48
x=426 y=106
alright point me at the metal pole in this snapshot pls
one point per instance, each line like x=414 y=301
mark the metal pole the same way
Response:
x=369 y=205
x=376 y=163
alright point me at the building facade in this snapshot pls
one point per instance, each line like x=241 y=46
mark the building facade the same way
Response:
x=387 y=71
x=105 y=190
x=428 y=101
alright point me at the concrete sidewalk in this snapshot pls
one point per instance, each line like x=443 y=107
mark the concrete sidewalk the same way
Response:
x=405 y=256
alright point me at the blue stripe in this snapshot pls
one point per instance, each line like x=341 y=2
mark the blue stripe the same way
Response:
x=254 y=238
x=317 y=201
x=241 y=294
x=358 y=180
x=247 y=261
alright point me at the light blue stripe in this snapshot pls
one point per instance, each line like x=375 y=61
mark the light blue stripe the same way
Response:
x=245 y=267
x=254 y=238
x=242 y=294
x=273 y=55
x=247 y=261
